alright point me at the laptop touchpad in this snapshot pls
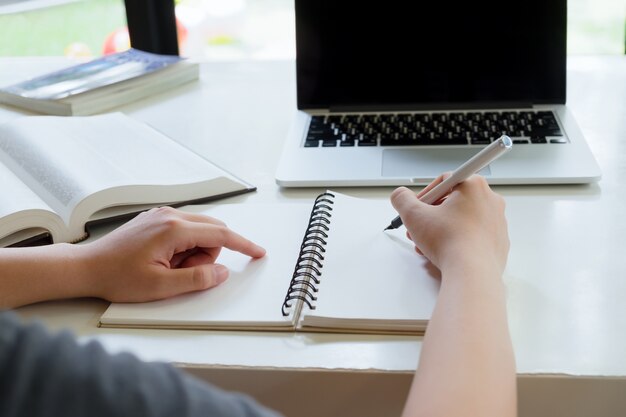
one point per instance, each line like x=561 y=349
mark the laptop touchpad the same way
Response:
x=425 y=163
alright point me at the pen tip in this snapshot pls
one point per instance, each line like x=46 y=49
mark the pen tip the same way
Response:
x=387 y=228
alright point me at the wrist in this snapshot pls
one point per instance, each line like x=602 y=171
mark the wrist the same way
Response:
x=479 y=254
x=470 y=267
x=36 y=274
x=81 y=275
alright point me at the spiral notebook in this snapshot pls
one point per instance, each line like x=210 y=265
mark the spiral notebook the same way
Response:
x=328 y=268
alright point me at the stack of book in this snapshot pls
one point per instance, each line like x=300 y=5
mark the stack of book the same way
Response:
x=100 y=84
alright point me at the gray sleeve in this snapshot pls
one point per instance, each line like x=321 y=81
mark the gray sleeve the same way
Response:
x=51 y=375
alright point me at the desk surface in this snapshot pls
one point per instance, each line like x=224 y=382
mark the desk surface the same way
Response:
x=566 y=272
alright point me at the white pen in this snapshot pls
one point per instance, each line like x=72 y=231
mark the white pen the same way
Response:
x=471 y=166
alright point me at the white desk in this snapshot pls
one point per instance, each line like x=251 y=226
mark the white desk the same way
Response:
x=566 y=275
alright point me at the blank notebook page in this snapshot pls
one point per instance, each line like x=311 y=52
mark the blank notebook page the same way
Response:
x=370 y=274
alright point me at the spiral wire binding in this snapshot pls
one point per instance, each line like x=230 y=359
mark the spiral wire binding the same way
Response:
x=307 y=273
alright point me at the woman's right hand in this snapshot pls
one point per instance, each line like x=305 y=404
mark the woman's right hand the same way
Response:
x=466 y=226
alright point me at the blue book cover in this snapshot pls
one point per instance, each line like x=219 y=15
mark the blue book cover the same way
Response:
x=100 y=72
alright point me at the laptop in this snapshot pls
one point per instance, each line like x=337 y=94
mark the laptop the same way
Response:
x=396 y=93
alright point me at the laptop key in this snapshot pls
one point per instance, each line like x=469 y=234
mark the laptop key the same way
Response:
x=367 y=142
x=544 y=131
x=441 y=141
x=456 y=140
x=558 y=140
x=329 y=143
x=480 y=141
x=318 y=121
x=311 y=144
x=320 y=133
x=401 y=141
x=538 y=139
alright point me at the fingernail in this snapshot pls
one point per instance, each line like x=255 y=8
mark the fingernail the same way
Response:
x=220 y=272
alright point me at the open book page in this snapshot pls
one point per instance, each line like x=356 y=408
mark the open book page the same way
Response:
x=371 y=279
x=252 y=296
x=21 y=209
x=73 y=161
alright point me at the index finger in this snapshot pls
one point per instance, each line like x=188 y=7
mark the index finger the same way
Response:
x=211 y=236
x=198 y=217
x=435 y=183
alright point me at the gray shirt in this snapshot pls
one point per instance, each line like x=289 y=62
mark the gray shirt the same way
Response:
x=51 y=375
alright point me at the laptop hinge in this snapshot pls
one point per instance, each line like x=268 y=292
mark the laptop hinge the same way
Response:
x=429 y=107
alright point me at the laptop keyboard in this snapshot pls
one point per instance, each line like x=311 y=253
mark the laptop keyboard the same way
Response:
x=423 y=129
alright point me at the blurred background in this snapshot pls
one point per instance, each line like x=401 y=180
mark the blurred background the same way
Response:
x=230 y=29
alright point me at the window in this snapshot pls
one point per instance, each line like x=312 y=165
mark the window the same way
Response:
x=596 y=26
x=231 y=29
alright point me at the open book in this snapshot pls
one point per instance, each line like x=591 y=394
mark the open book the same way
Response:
x=58 y=174
x=330 y=268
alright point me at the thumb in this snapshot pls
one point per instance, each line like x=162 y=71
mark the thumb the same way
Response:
x=195 y=278
x=405 y=201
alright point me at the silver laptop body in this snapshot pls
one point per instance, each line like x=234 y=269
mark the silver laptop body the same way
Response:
x=429 y=89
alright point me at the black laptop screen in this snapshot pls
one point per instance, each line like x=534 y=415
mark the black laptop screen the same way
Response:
x=438 y=53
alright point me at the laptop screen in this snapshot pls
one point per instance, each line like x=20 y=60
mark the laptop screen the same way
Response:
x=435 y=54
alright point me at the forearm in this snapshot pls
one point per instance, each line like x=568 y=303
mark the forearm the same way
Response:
x=30 y=275
x=467 y=366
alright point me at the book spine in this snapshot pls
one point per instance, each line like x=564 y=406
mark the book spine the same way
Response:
x=308 y=271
